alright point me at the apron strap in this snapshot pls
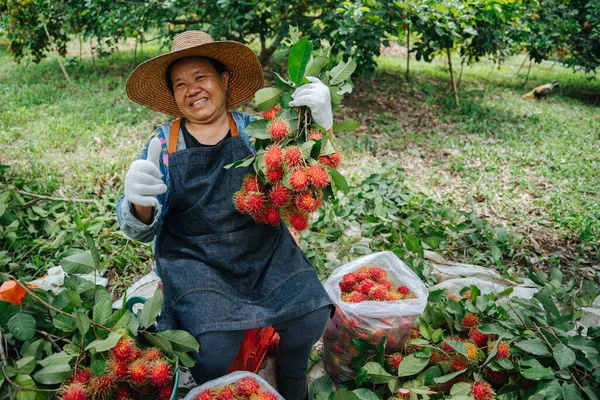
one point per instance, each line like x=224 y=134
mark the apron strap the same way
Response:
x=174 y=134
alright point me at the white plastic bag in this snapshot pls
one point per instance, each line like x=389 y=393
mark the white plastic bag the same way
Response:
x=370 y=320
x=230 y=381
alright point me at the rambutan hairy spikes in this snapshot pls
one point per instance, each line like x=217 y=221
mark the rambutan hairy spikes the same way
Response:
x=271 y=113
x=274 y=175
x=124 y=350
x=252 y=183
x=247 y=386
x=273 y=155
x=280 y=195
x=298 y=221
x=298 y=179
x=74 y=391
x=318 y=177
x=278 y=129
x=160 y=374
x=293 y=157
x=272 y=216
x=482 y=390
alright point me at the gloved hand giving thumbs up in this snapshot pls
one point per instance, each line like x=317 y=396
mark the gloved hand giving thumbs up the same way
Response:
x=144 y=179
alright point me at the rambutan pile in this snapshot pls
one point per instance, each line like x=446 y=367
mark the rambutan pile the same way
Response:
x=292 y=169
x=130 y=374
x=371 y=283
x=245 y=388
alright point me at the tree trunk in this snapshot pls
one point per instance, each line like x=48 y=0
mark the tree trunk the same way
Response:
x=407 y=50
x=528 y=71
x=92 y=52
x=462 y=64
x=267 y=52
x=521 y=67
x=56 y=51
x=452 y=78
x=79 y=48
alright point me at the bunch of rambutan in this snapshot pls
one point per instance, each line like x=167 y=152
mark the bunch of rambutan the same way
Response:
x=245 y=388
x=371 y=283
x=289 y=182
x=131 y=373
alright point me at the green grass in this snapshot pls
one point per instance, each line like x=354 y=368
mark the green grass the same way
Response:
x=530 y=166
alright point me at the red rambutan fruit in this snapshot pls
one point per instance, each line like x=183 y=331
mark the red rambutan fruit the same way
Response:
x=436 y=357
x=247 y=386
x=226 y=393
x=467 y=294
x=124 y=350
x=348 y=281
x=239 y=201
x=272 y=216
x=446 y=347
x=354 y=297
x=387 y=284
x=306 y=202
x=457 y=365
x=298 y=179
x=473 y=353
x=315 y=135
x=251 y=183
x=482 y=390
x=470 y=320
x=393 y=296
x=271 y=113
x=331 y=160
x=74 y=391
x=273 y=156
x=274 y=175
x=404 y=393
x=101 y=387
x=365 y=286
x=117 y=370
x=378 y=292
x=403 y=290
x=255 y=203
x=208 y=394
x=377 y=274
x=292 y=157
x=454 y=298
x=395 y=359
x=362 y=275
x=496 y=378
x=278 y=129
x=122 y=393
x=152 y=354
x=503 y=350
x=480 y=339
x=415 y=333
x=138 y=372
x=280 y=195
x=318 y=177
x=160 y=374
x=82 y=375
x=165 y=393
x=298 y=220
x=265 y=396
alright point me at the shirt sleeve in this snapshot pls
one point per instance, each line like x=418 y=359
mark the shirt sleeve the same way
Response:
x=128 y=222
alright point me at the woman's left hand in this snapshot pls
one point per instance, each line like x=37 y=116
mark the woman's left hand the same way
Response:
x=315 y=95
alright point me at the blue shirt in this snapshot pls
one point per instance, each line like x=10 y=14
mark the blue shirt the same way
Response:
x=136 y=229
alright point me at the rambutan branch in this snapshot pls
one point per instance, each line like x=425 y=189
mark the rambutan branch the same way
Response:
x=47 y=336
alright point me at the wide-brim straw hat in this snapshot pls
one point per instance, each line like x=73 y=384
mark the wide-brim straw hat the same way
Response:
x=147 y=84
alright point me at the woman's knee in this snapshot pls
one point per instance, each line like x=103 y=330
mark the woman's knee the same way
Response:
x=217 y=351
x=305 y=328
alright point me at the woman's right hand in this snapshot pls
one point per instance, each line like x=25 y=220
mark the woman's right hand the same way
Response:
x=144 y=179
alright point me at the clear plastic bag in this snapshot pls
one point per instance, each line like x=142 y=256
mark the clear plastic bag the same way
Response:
x=370 y=320
x=230 y=380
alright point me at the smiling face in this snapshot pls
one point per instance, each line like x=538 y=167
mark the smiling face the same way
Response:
x=199 y=90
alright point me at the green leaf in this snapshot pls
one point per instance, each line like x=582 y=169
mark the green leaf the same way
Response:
x=534 y=346
x=298 y=59
x=22 y=326
x=93 y=251
x=537 y=371
x=412 y=365
x=341 y=72
x=80 y=262
x=184 y=358
x=448 y=377
x=538 y=277
x=241 y=163
x=365 y=394
x=344 y=394
x=461 y=388
x=282 y=83
x=56 y=358
x=104 y=345
x=548 y=304
x=267 y=98
x=158 y=341
x=563 y=355
x=571 y=391
x=27 y=382
x=495 y=329
x=458 y=346
x=181 y=340
x=321 y=387
x=74 y=297
x=64 y=323
x=437 y=336
x=431 y=374
x=258 y=129
x=53 y=374
x=7 y=311
x=83 y=322
x=347 y=125
x=338 y=179
x=102 y=312
x=151 y=309
x=26 y=365
x=425 y=330
x=376 y=373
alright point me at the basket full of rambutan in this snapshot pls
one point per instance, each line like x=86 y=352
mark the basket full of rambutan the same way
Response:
x=295 y=161
x=240 y=385
x=375 y=296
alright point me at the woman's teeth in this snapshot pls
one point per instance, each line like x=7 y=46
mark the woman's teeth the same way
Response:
x=198 y=102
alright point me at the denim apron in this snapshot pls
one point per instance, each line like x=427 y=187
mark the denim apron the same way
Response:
x=220 y=270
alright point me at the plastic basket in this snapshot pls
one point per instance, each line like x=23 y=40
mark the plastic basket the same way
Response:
x=253 y=349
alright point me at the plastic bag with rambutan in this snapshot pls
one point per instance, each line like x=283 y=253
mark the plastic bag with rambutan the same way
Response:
x=377 y=313
x=295 y=161
x=237 y=385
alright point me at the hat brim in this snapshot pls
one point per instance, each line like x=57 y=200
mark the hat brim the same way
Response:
x=147 y=84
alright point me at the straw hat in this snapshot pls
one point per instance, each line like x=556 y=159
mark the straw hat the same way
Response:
x=147 y=83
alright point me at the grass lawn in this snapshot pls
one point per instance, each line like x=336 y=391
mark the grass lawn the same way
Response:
x=530 y=166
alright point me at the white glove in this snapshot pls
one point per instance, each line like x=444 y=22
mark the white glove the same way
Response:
x=315 y=95
x=144 y=180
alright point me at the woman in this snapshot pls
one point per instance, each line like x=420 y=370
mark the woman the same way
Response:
x=222 y=273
